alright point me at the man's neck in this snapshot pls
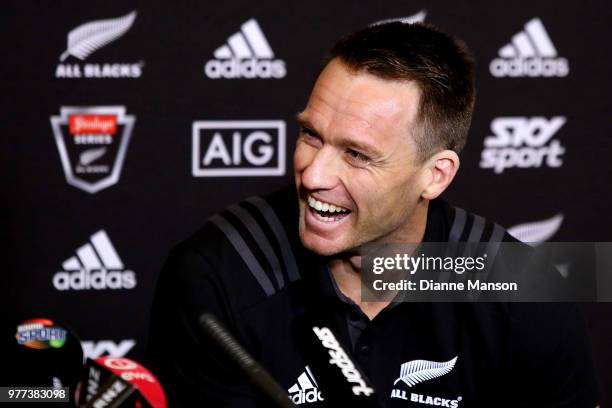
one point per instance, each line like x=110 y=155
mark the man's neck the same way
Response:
x=348 y=280
x=346 y=268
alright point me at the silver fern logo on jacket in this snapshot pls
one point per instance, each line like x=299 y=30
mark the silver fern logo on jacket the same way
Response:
x=418 y=371
x=86 y=39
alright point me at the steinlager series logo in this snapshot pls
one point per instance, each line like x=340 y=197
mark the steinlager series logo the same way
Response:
x=92 y=142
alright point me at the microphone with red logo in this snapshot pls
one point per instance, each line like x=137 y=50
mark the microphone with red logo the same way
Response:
x=112 y=382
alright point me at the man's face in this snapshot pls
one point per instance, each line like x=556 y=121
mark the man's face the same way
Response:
x=355 y=161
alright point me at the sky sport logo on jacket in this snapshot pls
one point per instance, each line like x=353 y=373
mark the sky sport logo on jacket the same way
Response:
x=531 y=53
x=523 y=142
x=88 y=38
x=92 y=142
x=228 y=148
x=247 y=54
x=95 y=266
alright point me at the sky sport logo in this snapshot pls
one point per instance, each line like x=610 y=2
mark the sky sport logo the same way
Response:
x=247 y=54
x=245 y=148
x=531 y=53
x=521 y=142
x=40 y=333
x=92 y=142
x=89 y=37
x=306 y=390
x=96 y=266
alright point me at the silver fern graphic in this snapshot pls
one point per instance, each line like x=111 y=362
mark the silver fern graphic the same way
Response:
x=537 y=232
x=91 y=155
x=416 y=371
x=415 y=18
x=89 y=37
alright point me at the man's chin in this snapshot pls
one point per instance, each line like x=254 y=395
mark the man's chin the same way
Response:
x=320 y=246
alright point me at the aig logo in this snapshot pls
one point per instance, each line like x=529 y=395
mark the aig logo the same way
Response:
x=238 y=148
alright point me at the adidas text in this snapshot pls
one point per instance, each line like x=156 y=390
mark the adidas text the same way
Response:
x=247 y=54
x=249 y=68
x=306 y=396
x=305 y=390
x=530 y=53
x=531 y=67
x=96 y=280
x=523 y=143
x=96 y=266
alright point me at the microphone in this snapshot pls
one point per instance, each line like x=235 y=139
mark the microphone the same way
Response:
x=341 y=380
x=43 y=353
x=256 y=374
x=112 y=382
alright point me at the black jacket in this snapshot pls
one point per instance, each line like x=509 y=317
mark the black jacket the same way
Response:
x=248 y=267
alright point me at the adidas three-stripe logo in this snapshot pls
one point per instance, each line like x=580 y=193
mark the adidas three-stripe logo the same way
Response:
x=247 y=54
x=530 y=53
x=305 y=390
x=249 y=42
x=88 y=259
x=96 y=266
x=533 y=42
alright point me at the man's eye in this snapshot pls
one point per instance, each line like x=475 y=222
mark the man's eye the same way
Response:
x=357 y=157
x=309 y=136
x=306 y=131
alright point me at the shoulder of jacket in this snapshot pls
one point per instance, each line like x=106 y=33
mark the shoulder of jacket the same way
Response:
x=252 y=239
x=469 y=227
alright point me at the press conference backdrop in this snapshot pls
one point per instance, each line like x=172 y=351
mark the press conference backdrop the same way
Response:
x=125 y=125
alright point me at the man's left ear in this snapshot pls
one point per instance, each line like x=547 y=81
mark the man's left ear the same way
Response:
x=439 y=172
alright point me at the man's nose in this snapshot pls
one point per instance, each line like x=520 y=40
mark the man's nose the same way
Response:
x=323 y=172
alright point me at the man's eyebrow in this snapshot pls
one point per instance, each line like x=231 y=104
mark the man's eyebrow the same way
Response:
x=304 y=122
x=365 y=148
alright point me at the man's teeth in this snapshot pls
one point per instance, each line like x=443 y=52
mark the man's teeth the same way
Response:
x=325 y=207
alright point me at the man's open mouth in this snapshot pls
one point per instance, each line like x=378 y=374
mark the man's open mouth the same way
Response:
x=327 y=212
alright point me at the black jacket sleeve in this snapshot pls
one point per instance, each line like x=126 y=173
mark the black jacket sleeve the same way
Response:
x=190 y=367
x=552 y=364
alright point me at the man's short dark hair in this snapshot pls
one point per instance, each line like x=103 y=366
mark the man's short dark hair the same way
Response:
x=441 y=66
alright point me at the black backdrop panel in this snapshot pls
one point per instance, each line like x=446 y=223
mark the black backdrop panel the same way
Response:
x=88 y=251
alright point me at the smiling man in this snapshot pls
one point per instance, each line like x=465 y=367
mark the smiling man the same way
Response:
x=365 y=166
x=379 y=142
x=356 y=146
